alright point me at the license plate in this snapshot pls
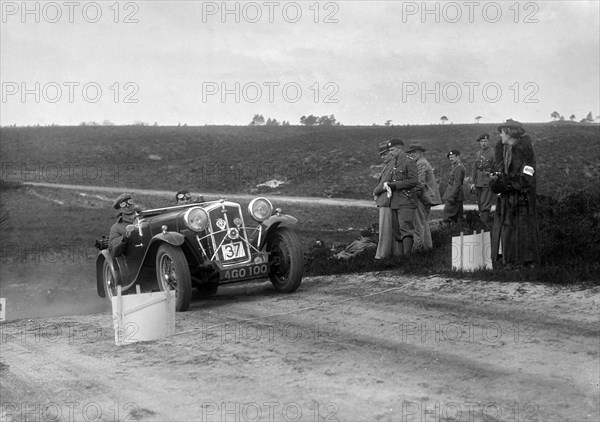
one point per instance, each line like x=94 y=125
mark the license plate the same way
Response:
x=245 y=273
x=233 y=251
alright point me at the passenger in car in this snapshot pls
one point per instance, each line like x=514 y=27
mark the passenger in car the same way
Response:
x=183 y=197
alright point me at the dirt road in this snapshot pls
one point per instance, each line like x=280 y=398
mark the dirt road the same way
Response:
x=349 y=348
x=237 y=197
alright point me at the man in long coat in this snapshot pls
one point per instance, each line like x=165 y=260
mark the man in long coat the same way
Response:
x=453 y=196
x=404 y=185
x=484 y=164
x=428 y=197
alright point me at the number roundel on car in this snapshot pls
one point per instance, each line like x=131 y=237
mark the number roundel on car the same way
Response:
x=196 y=219
x=260 y=209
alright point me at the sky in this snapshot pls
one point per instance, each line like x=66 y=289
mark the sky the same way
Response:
x=366 y=62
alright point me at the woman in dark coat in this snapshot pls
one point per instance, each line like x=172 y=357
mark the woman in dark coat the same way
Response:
x=515 y=235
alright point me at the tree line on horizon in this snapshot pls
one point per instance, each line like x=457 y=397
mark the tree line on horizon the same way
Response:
x=588 y=119
x=310 y=120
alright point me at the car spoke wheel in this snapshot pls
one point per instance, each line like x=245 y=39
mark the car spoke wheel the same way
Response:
x=173 y=273
x=287 y=267
x=110 y=284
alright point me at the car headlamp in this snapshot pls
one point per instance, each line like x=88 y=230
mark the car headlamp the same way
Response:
x=196 y=219
x=260 y=209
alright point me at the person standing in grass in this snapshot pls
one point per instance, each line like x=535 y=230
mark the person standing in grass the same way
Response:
x=453 y=196
x=515 y=235
x=429 y=196
x=404 y=184
x=480 y=179
x=387 y=245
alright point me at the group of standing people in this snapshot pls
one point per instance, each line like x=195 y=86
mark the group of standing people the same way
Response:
x=505 y=175
x=405 y=193
x=453 y=199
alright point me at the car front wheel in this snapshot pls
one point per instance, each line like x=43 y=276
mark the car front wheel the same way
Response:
x=173 y=273
x=287 y=268
x=110 y=285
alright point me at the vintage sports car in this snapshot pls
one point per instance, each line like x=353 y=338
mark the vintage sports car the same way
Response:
x=203 y=245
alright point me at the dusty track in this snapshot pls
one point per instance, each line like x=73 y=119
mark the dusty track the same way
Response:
x=212 y=196
x=365 y=347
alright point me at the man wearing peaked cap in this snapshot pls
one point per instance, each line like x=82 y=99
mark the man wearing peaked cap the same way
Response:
x=428 y=196
x=387 y=245
x=404 y=185
x=480 y=178
x=453 y=196
x=383 y=147
x=119 y=236
x=395 y=143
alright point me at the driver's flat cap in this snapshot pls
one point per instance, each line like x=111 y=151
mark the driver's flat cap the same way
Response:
x=121 y=198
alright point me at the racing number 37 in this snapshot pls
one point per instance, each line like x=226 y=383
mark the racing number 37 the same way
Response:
x=232 y=251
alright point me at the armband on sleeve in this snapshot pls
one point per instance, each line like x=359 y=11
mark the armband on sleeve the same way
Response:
x=528 y=170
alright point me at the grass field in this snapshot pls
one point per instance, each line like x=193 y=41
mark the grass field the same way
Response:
x=52 y=232
x=312 y=161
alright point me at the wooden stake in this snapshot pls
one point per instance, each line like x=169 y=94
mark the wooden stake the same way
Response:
x=461 y=249
x=119 y=316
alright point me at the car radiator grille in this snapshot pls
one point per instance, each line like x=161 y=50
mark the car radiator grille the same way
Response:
x=228 y=251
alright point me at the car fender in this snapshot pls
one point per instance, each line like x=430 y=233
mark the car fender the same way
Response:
x=105 y=255
x=172 y=238
x=272 y=223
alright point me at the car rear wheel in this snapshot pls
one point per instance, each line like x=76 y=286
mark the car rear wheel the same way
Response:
x=287 y=268
x=110 y=285
x=173 y=273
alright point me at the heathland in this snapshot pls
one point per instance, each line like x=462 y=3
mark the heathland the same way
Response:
x=337 y=162
x=52 y=231
x=384 y=339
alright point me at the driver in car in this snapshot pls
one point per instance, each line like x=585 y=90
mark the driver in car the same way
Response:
x=117 y=240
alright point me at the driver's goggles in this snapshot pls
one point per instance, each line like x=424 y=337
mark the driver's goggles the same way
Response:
x=126 y=203
x=181 y=196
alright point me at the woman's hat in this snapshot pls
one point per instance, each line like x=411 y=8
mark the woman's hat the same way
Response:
x=511 y=124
